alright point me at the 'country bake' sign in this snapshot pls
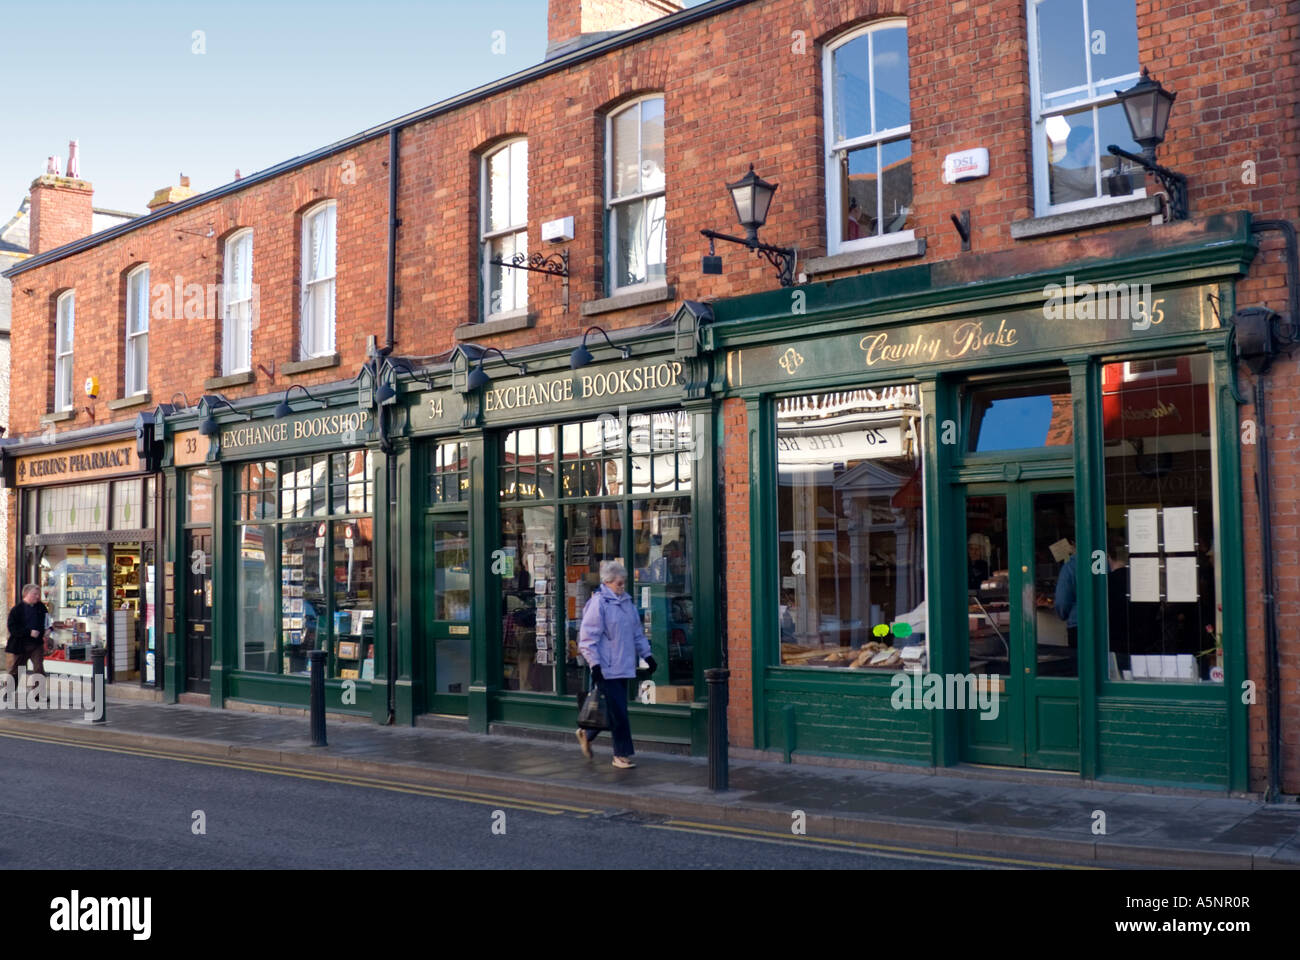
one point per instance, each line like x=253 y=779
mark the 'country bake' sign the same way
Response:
x=85 y=463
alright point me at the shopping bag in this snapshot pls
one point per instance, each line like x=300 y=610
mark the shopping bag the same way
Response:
x=592 y=714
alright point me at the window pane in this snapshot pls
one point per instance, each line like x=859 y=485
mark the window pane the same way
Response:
x=1071 y=157
x=889 y=60
x=642 y=253
x=1061 y=47
x=652 y=145
x=518 y=183
x=987 y=577
x=67 y=313
x=198 y=496
x=527 y=616
x=257 y=626
x=73 y=509
x=662 y=578
x=896 y=181
x=851 y=545
x=302 y=598
x=850 y=72
x=354 y=597
x=593 y=534
x=498 y=187
x=126 y=505
x=507 y=287
x=1115 y=52
x=859 y=193
x=1114 y=128
x=625 y=166
x=1018 y=418
x=1162 y=606
x=451 y=590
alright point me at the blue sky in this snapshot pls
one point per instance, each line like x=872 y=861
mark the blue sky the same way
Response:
x=278 y=78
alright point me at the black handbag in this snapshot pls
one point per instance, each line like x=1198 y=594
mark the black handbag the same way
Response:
x=592 y=714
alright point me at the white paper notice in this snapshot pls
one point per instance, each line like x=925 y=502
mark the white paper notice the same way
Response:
x=1142 y=531
x=1180 y=530
x=1144 y=580
x=1180 y=579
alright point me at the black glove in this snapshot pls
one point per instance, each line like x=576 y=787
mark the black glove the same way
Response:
x=653 y=666
x=596 y=674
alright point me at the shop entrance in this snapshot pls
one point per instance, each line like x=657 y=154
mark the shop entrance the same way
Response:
x=1019 y=540
x=198 y=611
x=447 y=613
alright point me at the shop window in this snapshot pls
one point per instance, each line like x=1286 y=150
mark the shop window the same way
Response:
x=74 y=586
x=304 y=486
x=1162 y=540
x=318 y=264
x=527 y=598
x=504 y=228
x=256 y=490
x=65 y=313
x=634 y=201
x=591 y=462
x=237 y=297
x=73 y=509
x=868 y=130
x=449 y=476
x=1081 y=52
x=137 y=331
x=198 y=496
x=662 y=571
x=1020 y=417
x=850 y=526
x=663 y=449
x=528 y=464
x=128 y=513
x=256 y=597
x=352 y=488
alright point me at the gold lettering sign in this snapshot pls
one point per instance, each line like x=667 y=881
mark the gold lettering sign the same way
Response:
x=268 y=434
x=86 y=463
x=189 y=447
x=586 y=386
x=966 y=339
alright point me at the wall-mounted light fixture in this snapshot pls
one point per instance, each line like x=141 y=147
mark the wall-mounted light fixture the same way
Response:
x=752 y=195
x=1147 y=105
x=478 y=377
x=581 y=356
x=209 y=426
x=282 y=409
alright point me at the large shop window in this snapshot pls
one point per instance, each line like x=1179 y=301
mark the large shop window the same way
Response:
x=1081 y=53
x=609 y=489
x=1162 y=535
x=850 y=522
x=306 y=564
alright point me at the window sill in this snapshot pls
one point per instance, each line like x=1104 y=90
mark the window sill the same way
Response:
x=1099 y=215
x=879 y=253
x=312 y=363
x=657 y=293
x=500 y=323
x=231 y=380
x=139 y=400
x=59 y=416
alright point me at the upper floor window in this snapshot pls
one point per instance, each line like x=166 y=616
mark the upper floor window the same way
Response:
x=63 y=333
x=137 y=331
x=504 y=228
x=318 y=280
x=1080 y=53
x=237 y=295
x=868 y=137
x=638 y=249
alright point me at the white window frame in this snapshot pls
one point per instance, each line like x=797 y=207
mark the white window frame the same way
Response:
x=611 y=201
x=1087 y=101
x=65 y=313
x=237 y=305
x=486 y=236
x=310 y=347
x=135 y=381
x=834 y=148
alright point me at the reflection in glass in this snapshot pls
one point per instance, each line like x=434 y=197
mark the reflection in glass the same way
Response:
x=256 y=597
x=988 y=584
x=661 y=584
x=1021 y=417
x=593 y=533
x=354 y=596
x=527 y=606
x=1055 y=589
x=303 y=601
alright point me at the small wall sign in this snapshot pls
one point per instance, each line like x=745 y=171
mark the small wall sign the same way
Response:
x=966 y=165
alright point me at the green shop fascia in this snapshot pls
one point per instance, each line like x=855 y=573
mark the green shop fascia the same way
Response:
x=995 y=509
x=439 y=542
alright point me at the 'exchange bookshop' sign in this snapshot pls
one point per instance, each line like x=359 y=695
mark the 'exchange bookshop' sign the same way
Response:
x=348 y=428
x=577 y=387
x=1175 y=311
x=86 y=463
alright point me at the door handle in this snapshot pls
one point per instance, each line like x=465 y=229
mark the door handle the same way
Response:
x=1024 y=569
x=1026 y=669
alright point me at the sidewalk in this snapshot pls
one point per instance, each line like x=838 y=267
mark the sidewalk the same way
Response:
x=978 y=815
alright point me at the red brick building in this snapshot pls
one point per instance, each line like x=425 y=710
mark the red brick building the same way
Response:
x=919 y=340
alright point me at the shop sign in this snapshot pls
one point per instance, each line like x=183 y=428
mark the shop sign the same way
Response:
x=969 y=341
x=437 y=409
x=348 y=428
x=189 y=448
x=617 y=383
x=86 y=463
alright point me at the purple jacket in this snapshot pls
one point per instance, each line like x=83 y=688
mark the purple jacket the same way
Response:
x=611 y=635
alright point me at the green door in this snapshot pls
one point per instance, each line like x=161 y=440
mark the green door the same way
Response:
x=446 y=613
x=1017 y=536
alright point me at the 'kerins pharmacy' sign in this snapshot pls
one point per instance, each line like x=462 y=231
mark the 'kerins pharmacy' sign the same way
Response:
x=85 y=463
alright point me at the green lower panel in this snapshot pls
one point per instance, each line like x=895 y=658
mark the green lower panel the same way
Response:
x=1176 y=743
x=848 y=722
x=296 y=692
x=664 y=723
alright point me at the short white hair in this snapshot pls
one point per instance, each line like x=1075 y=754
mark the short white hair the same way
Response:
x=612 y=570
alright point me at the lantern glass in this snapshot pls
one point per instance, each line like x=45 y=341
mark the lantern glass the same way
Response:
x=752 y=195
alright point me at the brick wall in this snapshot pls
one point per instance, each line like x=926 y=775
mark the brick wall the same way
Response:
x=61 y=212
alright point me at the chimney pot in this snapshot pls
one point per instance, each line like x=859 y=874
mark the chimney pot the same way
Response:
x=74 y=161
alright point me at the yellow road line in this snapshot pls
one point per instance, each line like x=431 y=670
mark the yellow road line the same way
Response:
x=395 y=786
x=862 y=845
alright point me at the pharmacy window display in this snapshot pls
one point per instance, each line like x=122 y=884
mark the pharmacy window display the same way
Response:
x=850 y=527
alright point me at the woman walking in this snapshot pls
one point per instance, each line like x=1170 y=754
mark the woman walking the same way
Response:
x=611 y=640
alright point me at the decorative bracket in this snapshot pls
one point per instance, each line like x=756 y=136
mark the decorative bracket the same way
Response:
x=556 y=265
x=783 y=258
x=1175 y=183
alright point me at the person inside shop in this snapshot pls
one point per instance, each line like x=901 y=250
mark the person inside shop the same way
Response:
x=1066 y=600
x=977 y=565
x=611 y=640
x=27 y=632
x=671 y=567
x=1117 y=606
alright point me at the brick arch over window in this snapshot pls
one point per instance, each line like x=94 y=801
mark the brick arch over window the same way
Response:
x=834 y=19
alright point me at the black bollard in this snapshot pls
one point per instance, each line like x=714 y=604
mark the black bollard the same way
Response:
x=97 y=684
x=317 y=658
x=716 y=678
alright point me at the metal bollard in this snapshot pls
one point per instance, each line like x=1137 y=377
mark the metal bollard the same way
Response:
x=317 y=659
x=716 y=678
x=97 y=683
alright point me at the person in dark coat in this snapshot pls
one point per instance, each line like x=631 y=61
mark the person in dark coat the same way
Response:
x=26 y=633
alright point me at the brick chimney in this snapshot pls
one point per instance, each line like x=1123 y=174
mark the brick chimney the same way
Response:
x=576 y=23
x=169 y=195
x=61 y=206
